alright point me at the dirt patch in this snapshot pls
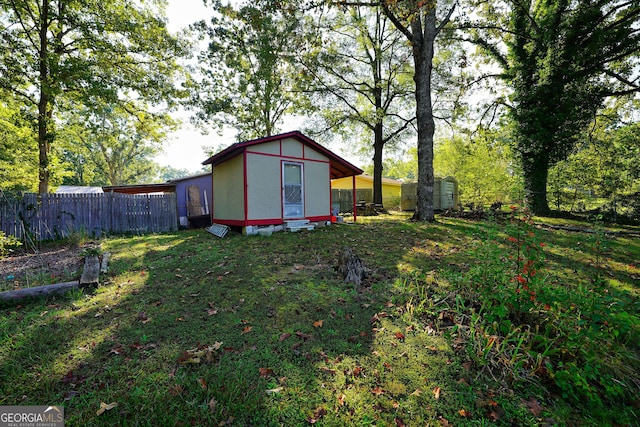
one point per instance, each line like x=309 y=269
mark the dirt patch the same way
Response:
x=45 y=266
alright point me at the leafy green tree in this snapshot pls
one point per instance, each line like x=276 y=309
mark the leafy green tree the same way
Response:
x=247 y=75
x=604 y=163
x=18 y=157
x=561 y=59
x=115 y=145
x=361 y=80
x=482 y=168
x=57 y=53
x=421 y=25
x=399 y=167
x=168 y=173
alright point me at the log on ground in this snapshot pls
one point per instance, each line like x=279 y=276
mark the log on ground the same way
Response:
x=37 y=291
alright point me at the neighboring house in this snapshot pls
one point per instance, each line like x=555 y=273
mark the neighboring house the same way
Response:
x=274 y=180
x=391 y=188
x=194 y=198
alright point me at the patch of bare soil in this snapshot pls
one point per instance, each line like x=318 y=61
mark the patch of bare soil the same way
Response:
x=43 y=266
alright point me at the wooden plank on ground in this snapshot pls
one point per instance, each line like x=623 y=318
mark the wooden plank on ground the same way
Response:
x=104 y=267
x=91 y=271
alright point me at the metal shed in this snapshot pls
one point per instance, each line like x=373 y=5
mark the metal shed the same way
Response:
x=445 y=194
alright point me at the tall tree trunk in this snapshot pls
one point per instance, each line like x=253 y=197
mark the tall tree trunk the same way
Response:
x=44 y=115
x=378 y=130
x=423 y=42
x=378 y=145
x=536 y=174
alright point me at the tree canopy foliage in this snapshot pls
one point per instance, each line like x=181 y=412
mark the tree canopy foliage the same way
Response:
x=113 y=145
x=361 y=81
x=57 y=54
x=483 y=168
x=420 y=22
x=560 y=59
x=246 y=77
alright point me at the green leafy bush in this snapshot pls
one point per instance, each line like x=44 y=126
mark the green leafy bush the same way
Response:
x=7 y=244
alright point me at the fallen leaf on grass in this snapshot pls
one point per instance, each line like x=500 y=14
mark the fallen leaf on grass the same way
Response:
x=226 y=422
x=341 y=399
x=464 y=413
x=326 y=370
x=303 y=336
x=176 y=390
x=73 y=379
x=318 y=323
x=418 y=392
x=136 y=346
x=212 y=405
x=266 y=372
x=142 y=317
x=199 y=354
x=436 y=392
x=70 y=395
x=399 y=335
x=202 y=383
x=284 y=336
x=533 y=406
x=274 y=390
x=246 y=330
x=357 y=371
x=106 y=407
x=317 y=415
x=377 y=390
x=117 y=349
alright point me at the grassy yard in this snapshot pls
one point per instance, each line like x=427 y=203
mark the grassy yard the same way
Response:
x=458 y=323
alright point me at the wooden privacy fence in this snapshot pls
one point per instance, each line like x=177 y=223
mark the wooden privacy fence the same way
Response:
x=54 y=216
x=344 y=198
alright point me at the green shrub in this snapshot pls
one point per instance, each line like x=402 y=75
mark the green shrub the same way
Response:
x=8 y=244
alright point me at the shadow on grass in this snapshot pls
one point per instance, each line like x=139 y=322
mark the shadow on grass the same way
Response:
x=277 y=309
x=293 y=342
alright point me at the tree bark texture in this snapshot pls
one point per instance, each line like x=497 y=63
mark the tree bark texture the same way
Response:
x=423 y=42
x=536 y=173
x=44 y=146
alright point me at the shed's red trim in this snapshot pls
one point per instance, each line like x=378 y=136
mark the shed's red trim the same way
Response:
x=272 y=221
x=340 y=168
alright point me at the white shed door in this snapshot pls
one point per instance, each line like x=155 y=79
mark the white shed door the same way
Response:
x=292 y=191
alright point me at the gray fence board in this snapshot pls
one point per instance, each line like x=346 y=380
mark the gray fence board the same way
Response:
x=54 y=216
x=345 y=197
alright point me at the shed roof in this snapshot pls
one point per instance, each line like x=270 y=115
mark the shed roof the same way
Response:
x=340 y=168
x=141 y=188
x=77 y=189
